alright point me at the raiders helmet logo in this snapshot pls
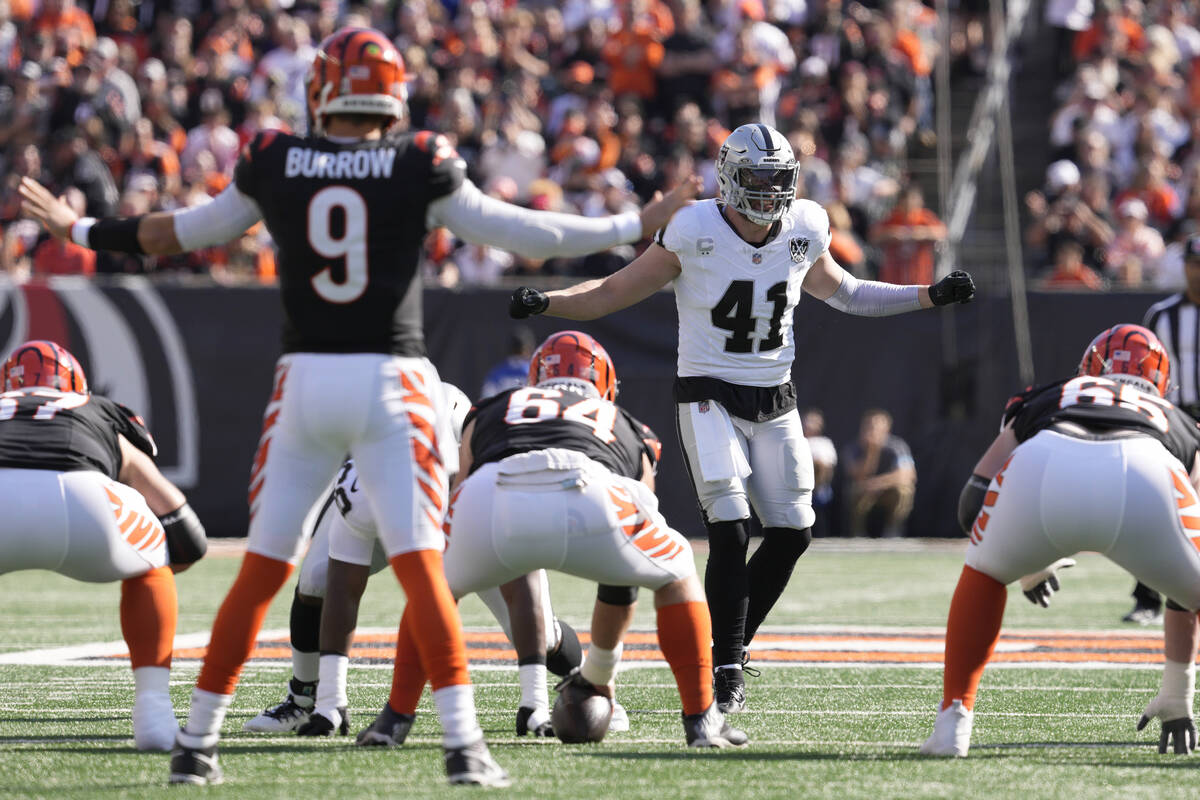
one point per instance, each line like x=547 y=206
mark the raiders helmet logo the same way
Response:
x=798 y=249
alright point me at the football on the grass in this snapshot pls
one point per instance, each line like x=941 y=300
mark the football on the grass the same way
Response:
x=580 y=714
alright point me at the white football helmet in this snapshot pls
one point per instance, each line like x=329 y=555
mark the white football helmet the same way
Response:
x=756 y=173
x=457 y=405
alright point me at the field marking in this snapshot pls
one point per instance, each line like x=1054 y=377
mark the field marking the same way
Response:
x=807 y=646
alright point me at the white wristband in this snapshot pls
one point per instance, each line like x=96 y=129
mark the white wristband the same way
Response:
x=629 y=226
x=80 y=230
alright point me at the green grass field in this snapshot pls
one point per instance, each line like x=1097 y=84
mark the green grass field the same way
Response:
x=827 y=731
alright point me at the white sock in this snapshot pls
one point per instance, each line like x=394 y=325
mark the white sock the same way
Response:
x=331 y=688
x=203 y=727
x=305 y=666
x=156 y=680
x=456 y=711
x=600 y=665
x=533 y=686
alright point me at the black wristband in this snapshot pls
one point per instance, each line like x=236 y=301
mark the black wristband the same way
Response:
x=186 y=540
x=116 y=233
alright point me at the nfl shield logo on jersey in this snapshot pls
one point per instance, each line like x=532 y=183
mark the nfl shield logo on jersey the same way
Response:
x=799 y=249
x=702 y=406
x=756 y=258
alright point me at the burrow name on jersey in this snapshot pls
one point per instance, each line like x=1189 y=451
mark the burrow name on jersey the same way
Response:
x=309 y=163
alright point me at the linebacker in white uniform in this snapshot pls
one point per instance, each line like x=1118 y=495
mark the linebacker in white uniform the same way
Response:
x=739 y=263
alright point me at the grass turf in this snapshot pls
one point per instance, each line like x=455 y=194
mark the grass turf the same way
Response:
x=834 y=732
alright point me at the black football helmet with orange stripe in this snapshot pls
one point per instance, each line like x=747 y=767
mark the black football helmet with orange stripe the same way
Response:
x=1129 y=352
x=43 y=363
x=574 y=354
x=356 y=71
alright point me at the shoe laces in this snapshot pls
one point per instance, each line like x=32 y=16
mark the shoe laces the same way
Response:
x=753 y=672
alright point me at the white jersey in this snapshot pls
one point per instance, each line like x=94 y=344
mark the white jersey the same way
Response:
x=736 y=300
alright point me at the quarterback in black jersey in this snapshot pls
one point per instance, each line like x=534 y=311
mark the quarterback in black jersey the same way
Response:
x=559 y=477
x=82 y=497
x=348 y=208
x=1098 y=462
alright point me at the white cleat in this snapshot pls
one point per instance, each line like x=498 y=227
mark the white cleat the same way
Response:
x=282 y=718
x=951 y=732
x=154 y=723
x=620 y=719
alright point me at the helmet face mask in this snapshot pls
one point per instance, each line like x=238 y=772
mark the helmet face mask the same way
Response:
x=1129 y=354
x=757 y=173
x=45 y=364
x=574 y=356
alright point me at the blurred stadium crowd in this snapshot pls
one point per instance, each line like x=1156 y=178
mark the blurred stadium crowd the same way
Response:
x=1122 y=193
x=587 y=106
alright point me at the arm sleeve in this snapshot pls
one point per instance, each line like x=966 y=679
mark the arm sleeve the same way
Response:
x=874 y=298
x=224 y=219
x=473 y=216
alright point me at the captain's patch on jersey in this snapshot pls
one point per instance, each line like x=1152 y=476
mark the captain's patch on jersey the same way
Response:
x=805 y=646
x=798 y=248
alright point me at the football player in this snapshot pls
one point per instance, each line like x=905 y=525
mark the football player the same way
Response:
x=559 y=477
x=560 y=652
x=739 y=263
x=82 y=497
x=1099 y=462
x=348 y=208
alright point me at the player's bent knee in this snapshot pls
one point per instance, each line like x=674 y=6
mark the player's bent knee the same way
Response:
x=727 y=509
x=683 y=590
x=798 y=517
x=617 y=595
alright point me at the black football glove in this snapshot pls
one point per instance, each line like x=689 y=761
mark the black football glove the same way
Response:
x=526 y=302
x=1041 y=586
x=1179 y=732
x=957 y=287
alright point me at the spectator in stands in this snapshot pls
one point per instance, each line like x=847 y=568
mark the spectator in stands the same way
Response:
x=1069 y=271
x=688 y=60
x=1136 y=251
x=908 y=237
x=73 y=163
x=881 y=478
x=117 y=100
x=213 y=135
x=513 y=371
x=1060 y=215
x=824 y=456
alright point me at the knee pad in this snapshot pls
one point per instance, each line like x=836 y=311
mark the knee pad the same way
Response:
x=617 y=595
x=797 y=517
x=727 y=508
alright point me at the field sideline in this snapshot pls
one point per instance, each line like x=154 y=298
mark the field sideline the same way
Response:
x=819 y=728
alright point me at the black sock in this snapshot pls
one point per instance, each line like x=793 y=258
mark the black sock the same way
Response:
x=770 y=569
x=305 y=625
x=726 y=583
x=300 y=688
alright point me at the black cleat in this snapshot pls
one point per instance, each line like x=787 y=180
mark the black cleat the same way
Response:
x=542 y=729
x=388 y=730
x=730 y=689
x=473 y=765
x=711 y=729
x=195 y=765
x=321 y=725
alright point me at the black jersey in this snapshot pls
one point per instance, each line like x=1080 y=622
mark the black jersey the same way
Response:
x=348 y=220
x=1102 y=406
x=538 y=418
x=45 y=429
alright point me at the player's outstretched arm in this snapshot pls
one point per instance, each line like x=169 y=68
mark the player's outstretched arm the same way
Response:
x=636 y=281
x=474 y=217
x=161 y=233
x=827 y=281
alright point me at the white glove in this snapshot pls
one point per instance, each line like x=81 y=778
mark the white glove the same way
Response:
x=1173 y=707
x=1039 y=586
